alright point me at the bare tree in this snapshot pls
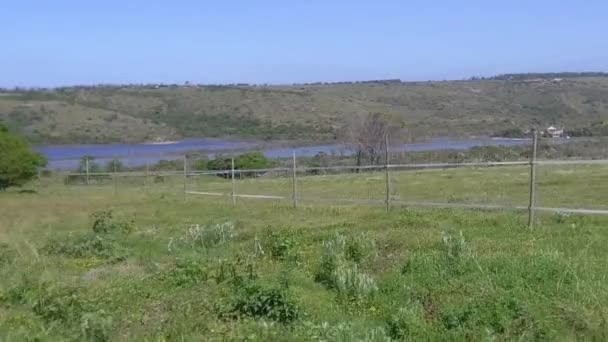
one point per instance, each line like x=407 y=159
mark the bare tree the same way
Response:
x=365 y=135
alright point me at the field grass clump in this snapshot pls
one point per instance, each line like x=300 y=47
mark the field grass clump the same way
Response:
x=7 y=254
x=87 y=246
x=251 y=297
x=187 y=272
x=339 y=268
x=282 y=245
x=105 y=222
x=205 y=237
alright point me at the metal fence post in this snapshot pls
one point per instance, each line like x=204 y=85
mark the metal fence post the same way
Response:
x=532 y=201
x=233 y=195
x=293 y=181
x=86 y=164
x=387 y=176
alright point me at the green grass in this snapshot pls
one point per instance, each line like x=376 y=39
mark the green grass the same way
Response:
x=165 y=269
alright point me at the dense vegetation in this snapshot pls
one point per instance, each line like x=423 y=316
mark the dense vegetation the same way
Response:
x=311 y=112
x=18 y=163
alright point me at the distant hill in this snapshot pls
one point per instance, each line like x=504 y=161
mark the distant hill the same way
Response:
x=313 y=112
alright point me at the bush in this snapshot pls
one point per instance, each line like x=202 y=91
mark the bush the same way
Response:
x=407 y=324
x=187 y=272
x=18 y=163
x=104 y=222
x=254 y=300
x=282 y=245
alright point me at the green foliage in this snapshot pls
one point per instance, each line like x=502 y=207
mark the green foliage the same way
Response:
x=352 y=286
x=104 y=222
x=18 y=163
x=200 y=163
x=187 y=272
x=339 y=269
x=408 y=323
x=58 y=304
x=282 y=245
x=96 y=326
x=114 y=165
x=252 y=161
x=245 y=161
x=87 y=246
x=255 y=300
x=167 y=165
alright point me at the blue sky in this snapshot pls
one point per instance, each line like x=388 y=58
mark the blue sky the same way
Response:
x=61 y=42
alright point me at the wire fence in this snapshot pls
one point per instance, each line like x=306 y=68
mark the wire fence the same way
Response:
x=568 y=186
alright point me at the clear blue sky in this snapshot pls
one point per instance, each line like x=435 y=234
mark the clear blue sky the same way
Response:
x=64 y=42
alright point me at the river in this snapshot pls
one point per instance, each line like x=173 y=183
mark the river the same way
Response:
x=67 y=156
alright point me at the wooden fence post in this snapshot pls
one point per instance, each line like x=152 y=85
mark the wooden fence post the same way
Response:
x=532 y=201
x=185 y=175
x=233 y=182
x=86 y=165
x=293 y=181
x=114 y=161
x=387 y=176
x=146 y=178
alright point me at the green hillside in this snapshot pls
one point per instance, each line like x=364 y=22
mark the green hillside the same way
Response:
x=303 y=112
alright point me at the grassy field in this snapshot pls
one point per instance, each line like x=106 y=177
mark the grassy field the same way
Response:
x=132 y=263
x=302 y=112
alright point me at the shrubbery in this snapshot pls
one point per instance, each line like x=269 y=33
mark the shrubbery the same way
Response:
x=18 y=163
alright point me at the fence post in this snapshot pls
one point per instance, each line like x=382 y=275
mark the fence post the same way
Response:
x=185 y=175
x=146 y=178
x=293 y=181
x=233 y=195
x=387 y=176
x=532 y=201
x=114 y=175
x=86 y=164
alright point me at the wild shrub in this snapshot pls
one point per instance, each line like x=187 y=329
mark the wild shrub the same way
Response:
x=254 y=300
x=60 y=304
x=187 y=272
x=407 y=323
x=95 y=326
x=282 y=245
x=359 y=247
x=64 y=306
x=104 y=222
x=86 y=246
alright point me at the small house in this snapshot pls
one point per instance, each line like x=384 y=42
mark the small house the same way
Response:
x=553 y=132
